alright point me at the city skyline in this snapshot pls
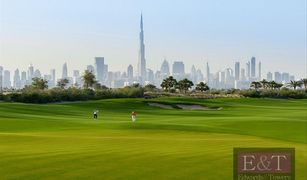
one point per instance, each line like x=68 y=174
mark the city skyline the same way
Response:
x=208 y=32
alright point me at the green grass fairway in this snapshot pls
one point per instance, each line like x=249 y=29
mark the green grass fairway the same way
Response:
x=62 y=141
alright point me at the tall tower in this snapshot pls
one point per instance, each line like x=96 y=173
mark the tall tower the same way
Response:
x=99 y=69
x=253 y=67
x=208 y=73
x=259 y=71
x=237 y=70
x=64 y=71
x=142 y=61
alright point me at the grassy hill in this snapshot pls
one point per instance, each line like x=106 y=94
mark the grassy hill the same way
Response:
x=62 y=141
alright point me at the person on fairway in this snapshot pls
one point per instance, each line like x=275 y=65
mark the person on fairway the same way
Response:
x=95 y=114
x=133 y=116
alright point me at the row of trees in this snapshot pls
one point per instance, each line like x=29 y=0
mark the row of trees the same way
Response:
x=264 y=84
x=88 y=79
x=170 y=84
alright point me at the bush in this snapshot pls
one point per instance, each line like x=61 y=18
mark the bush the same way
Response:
x=31 y=95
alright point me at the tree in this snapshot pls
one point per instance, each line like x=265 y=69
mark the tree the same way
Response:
x=202 y=87
x=264 y=84
x=39 y=83
x=98 y=86
x=169 y=83
x=256 y=85
x=184 y=85
x=89 y=79
x=150 y=87
x=304 y=82
x=62 y=83
x=295 y=84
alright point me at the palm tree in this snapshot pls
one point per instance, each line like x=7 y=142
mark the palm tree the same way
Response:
x=169 y=83
x=62 y=83
x=295 y=84
x=184 y=85
x=256 y=85
x=89 y=79
x=202 y=87
x=304 y=81
x=264 y=83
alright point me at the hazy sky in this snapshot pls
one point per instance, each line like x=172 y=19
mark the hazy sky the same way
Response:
x=48 y=33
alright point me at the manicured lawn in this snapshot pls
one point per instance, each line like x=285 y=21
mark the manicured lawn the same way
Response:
x=62 y=141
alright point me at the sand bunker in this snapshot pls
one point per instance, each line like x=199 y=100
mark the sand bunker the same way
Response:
x=164 y=106
x=183 y=106
x=192 y=107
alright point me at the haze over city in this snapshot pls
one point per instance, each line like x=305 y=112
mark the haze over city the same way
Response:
x=48 y=33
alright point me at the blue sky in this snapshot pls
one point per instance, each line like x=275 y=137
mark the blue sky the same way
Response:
x=48 y=33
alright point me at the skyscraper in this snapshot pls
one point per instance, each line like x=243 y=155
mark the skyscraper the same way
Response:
x=30 y=73
x=99 y=67
x=23 y=79
x=90 y=68
x=277 y=77
x=269 y=76
x=165 y=69
x=248 y=70
x=208 y=73
x=237 y=71
x=259 y=71
x=142 y=61
x=53 y=78
x=17 y=84
x=253 y=67
x=6 y=79
x=130 y=72
x=64 y=71
x=178 y=70
x=1 y=78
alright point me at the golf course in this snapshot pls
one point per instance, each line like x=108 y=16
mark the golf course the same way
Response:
x=63 y=141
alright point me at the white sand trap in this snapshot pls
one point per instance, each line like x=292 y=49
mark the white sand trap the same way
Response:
x=164 y=106
x=192 y=107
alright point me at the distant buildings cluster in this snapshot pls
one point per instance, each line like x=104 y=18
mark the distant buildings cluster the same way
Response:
x=238 y=77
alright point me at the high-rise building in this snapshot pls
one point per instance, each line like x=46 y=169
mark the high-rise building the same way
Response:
x=269 y=76
x=1 y=78
x=7 y=79
x=150 y=76
x=99 y=67
x=253 y=67
x=23 y=79
x=259 y=71
x=164 y=70
x=76 y=78
x=53 y=78
x=142 y=61
x=105 y=71
x=248 y=70
x=17 y=84
x=178 y=70
x=130 y=72
x=237 y=71
x=64 y=71
x=200 y=76
x=242 y=74
x=285 y=77
x=30 y=73
x=208 y=73
x=193 y=75
x=277 y=77
x=90 y=68
x=37 y=73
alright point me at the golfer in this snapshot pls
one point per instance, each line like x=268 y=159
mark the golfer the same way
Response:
x=133 y=116
x=96 y=114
